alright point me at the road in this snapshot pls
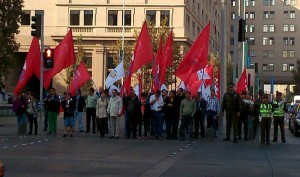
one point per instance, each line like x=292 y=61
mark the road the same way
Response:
x=88 y=155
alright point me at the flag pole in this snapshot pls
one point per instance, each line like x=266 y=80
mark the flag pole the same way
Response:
x=123 y=38
x=42 y=63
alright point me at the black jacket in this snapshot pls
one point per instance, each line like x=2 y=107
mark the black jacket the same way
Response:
x=68 y=112
x=53 y=105
x=80 y=103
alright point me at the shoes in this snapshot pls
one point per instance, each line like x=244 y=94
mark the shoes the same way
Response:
x=283 y=141
x=226 y=139
x=274 y=140
x=65 y=135
x=71 y=135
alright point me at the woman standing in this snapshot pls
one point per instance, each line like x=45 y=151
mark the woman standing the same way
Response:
x=19 y=107
x=32 y=114
x=172 y=115
x=68 y=105
x=101 y=113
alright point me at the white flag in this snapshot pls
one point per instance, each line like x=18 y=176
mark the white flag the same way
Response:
x=205 y=91
x=137 y=89
x=181 y=85
x=202 y=75
x=163 y=87
x=115 y=75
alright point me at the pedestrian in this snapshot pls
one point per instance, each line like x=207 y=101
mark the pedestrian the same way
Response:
x=69 y=106
x=280 y=108
x=80 y=104
x=114 y=110
x=265 y=119
x=32 y=114
x=187 y=112
x=172 y=115
x=232 y=105
x=46 y=110
x=199 y=118
x=19 y=107
x=91 y=103
x=213 y=109
x=165 y=96
x=157 y=102
x=256 y=113
x=243 y=119
x=101 y=113
x=146 y=114
x=53 y=107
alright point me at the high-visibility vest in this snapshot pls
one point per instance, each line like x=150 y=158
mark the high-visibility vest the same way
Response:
x=265 y=110
x=279 y=112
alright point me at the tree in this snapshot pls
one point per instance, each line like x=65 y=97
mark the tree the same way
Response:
x=10 y=18
x=215 y=58
x=70 y=70
x=296 y=76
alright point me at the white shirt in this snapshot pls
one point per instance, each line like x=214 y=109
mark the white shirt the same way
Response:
x=157 y=104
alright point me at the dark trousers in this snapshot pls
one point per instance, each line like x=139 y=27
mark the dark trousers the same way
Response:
x=255 y=125
x=46 y=121
x=157 y=123
x=175 y=122
x=186 y=123
x=169 y=125
x=243 y=120
x=32 y=120
x=146 y=119
x=131 y=124
x=211 y=119
x=102 y=125
x=139 y=124
x=265 y=128
x=279 y=121
x=91 y=116
x=231 y=121
x=199 y=119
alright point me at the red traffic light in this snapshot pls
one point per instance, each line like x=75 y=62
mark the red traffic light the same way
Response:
x=48 y=58
x=49 y=53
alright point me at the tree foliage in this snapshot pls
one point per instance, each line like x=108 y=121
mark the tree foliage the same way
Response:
x=10 y=18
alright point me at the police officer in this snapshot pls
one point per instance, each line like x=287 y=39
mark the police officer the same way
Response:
x=243 y=120
x=279 y=106
x=232 y=105
x=265 y=120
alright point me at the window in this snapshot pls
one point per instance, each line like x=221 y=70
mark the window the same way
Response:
x=288 y=54
x=232 y=15
x=88 y=18
x=252 y=15
x=291 y=67
x=272 y=2
x=289 y=2
x=88 y=62
x=269 y=14
x=271 y=28
x=271 y=41
x=265 y=41
x=151 y=16
x=251 y=41
x=292 y=27
x=233 y=3
x=272 y=14
x=266 y=14
x=165 y=14
x=292 y=14
x=284 y=67
x=232 y=41
x=268 y=54
x=251 y=53
x=265 y=54
x=292 y=41
x=251 y=28
x=193 y=27
x=271 y=54
x=112 y=18
x=285 y=54
x=285 y=14
x=269 y=2
x=285 y=41
x=264 y=67
x=127 y=18
x=25 y=17
x=188 y=22
x=198 y=30
x=292 y=54
x=74 y=17
x=271 y=67
x=266 y=28
x=266 y=2
x=252 y=3
x=285 y=28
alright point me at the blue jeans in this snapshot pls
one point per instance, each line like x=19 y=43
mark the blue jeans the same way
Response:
x=78 y=115
x=21 y=118
x=157 y=123
x=211 y=119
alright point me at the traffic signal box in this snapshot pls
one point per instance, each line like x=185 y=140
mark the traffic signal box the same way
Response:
x=36 y=25
x=48 y=58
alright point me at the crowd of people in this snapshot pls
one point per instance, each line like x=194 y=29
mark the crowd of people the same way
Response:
x=150 y=115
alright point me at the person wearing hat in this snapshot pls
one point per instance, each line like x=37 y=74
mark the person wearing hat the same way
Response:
x=243 y=120
x=279 y=106
x=232 y=105
x=265 y=119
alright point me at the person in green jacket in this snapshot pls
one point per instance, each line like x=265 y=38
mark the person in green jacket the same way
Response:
x=187 y=112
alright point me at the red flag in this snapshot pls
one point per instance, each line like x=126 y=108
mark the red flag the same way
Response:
x=217 y=84
x=31 y=65
x=82 y=75
x=195 y=87
x=210 y=72
x=242 y=84
x=196 y=58
x=156 y=67
x=143 y=51
x=64 y=56
x=166 y=58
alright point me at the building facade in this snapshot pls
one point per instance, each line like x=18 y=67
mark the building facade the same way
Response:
x=272 y=34
x=99 y=23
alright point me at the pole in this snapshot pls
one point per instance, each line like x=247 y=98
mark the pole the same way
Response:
x=223 y=51
x=123 y=37
x=243 y=43
x=41 y=12
x=235 y=48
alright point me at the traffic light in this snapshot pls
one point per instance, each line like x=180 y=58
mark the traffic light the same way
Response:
x=242 y=30
x=48 y=58
x=36 y=25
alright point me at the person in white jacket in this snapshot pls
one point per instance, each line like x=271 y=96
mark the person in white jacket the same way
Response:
x=114 y=110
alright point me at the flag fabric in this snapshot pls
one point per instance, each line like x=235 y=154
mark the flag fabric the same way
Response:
x=115 y=75
x=210 y=71
x=31 y=65
x=64 y=56
x=163 y=87
x=242 y=84
x=167 y=54
x=194 y=87
x=199 y=75
x=139 y=87
x=217 y=84
x=204 y=90
x=156 y=67
x=143 y=51
x=181 y=85
x=82 y=75
x=125 y=90
x=196 y=58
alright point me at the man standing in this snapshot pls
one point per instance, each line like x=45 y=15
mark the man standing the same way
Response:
x=279 y=106
x=157 y=102
x=213 y=108
x=91 y=103
x=114 y=110
x=199 y=117
x=243 y=119
x=187 y=112
x=53 y=106
x=80 y=103
x=232 y=105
